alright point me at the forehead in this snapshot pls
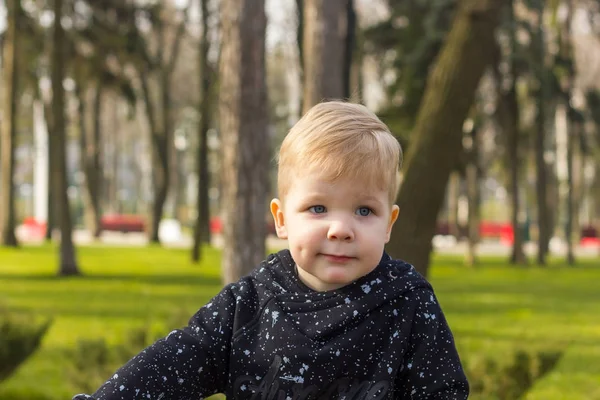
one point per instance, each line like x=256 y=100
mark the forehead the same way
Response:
x=314 y=185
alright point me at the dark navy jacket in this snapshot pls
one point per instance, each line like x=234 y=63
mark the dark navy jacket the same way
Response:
x=269 y=336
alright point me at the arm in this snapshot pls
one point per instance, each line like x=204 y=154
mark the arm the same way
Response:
x=188 y=363
x=432 y=368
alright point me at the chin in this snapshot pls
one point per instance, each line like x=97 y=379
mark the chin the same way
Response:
x=338 y=280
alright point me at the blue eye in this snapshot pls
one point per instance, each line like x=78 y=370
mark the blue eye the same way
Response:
x=317 y=209
x=364 y=211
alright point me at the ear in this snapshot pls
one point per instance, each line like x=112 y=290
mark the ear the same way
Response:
x=278 y=218
x=393 y=218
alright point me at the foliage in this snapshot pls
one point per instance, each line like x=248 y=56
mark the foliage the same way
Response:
x=20 y=337
x=407 y=43
x=94 y=360
x=490 y=380
x=493 y=311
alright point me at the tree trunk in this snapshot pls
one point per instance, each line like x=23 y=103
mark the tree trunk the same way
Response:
x=574 y=130
x=541 y=184
x=300 y=46
x=544 y=231
x=578 y=180
x=90 y=160
x=202 y=223
x=160 y=139
x=349 y=48
x=473 y=195
x=116 y=155
x=161 y=124
x=438 y=131
x=245 y=141
x=453 y=194
x=572 y=138
x=509 y=118
x=68 y=262
x=161 y=178
x=512 y=138
x=324 y=44
x=51 y=220
x=10 y=101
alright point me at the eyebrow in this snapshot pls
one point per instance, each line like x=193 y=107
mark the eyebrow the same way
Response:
x=371 y=198
x=311 y=197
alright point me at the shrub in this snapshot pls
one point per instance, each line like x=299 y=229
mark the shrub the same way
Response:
x=20 y=337
x=491 y=380
x=94 y=360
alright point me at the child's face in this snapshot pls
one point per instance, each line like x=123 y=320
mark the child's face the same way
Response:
x=336 y=231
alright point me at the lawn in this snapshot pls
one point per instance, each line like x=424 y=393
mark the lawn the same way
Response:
x=493 y=310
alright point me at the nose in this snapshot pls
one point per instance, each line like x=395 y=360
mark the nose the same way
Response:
x=340 y=230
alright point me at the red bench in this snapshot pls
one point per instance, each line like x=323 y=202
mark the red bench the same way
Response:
x=122 y=223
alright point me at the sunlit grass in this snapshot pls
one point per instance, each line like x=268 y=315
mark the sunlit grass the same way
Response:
x=492 y=309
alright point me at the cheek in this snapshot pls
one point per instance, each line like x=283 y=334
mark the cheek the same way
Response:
x=303 y=234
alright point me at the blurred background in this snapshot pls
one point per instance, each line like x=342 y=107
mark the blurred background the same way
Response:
x=138 y=140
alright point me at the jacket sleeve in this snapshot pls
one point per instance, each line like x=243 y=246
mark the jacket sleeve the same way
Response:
x=188 y=363
x=431 y=368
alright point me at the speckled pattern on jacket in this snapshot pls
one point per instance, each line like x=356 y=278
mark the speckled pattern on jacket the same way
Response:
x=269 y=336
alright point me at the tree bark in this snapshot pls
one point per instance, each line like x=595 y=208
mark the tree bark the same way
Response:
x=509 y=118
x=453 y=193
x=202 y=223
x=160 y=139
x=51 y=220
x=245 y=141
x=572 y=138
x=511 y=127
x=300 y=45
x=90 y=159
x=543 y=218
x=438 y=131
x=160 y=120
x=473 y=195
x=324 y=44
x=349 y=49
x=9 y=131
x=67 y=258
x=574 y=131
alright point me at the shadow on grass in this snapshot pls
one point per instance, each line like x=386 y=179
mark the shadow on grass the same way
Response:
x=488 y=262
x=468 y=335
x=153 y=279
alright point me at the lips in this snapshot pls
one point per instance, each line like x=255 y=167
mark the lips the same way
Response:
x=338 y=259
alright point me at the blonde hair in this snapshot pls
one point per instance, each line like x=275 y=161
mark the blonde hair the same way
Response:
x=341 y=139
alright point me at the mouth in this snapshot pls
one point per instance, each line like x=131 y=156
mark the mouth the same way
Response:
x=337 y=258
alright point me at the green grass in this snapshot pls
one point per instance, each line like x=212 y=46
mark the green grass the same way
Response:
x=492 y=309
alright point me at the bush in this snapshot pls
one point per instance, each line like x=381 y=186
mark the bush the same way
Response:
x=491 y=380
x=20 y=337
x=94 y=360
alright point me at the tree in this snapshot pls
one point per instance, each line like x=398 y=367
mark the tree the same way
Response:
x=437 y=137
x=324 y=51
x=67 y=257
x=9 y=131
x=566 y=76
x=160 y=112
x=473 y=181
x=153 y=54
x=207 y=77
x=407 y=44
x=92 y=45
x=543 y=217
x=508 y=115
x=90 y=144
x=243 y=124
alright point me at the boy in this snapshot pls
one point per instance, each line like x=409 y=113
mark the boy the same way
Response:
x=333 y=317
